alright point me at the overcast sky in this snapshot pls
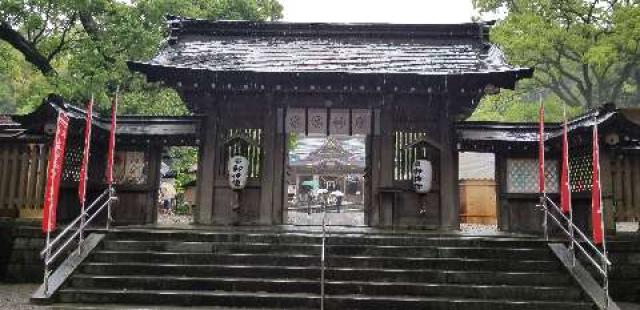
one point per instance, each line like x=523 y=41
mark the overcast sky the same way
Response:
x=382 y=11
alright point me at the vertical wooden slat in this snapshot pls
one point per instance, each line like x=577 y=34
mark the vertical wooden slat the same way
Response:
x=628 y=189
x=619 y=189
x=43 y=154
x=22 y=184
x=403 y=137
x=635 y=212
x=4 y=172
x=13 y=178
x=32 y=179
x=395 y=156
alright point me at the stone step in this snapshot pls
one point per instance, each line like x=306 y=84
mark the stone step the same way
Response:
x=514 y=292
x=192 y=298
x=448 y=276
x=206 y=258
x=349 y=250
x=201 y=270
x=173 y=283
x=342 y=274
x=411 y=303
x=331 y=261
x=428 y=251
x=181 y=283
x=303 y=300
x=203 y=236
x=334 y=239
x=451 y=241
x=210 y=247
x=446 y=263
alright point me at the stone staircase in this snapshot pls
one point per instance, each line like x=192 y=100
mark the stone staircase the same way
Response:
x=625 y=274
x=282 y=270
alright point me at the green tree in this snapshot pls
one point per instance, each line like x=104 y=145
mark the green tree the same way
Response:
x=586 y=52
x=80 y=47
x=522 y=106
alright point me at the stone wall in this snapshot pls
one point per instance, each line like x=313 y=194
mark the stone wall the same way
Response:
x=20 y=244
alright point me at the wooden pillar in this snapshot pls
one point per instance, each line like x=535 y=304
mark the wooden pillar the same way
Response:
x=206 y=165
x=279 y=167
x=267 y=205
x=449 y=192
x=155 y=161
x=502 y=211
x=606 y=185
x=385 y=165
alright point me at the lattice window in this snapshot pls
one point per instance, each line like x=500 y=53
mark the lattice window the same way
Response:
x=522 y=176
x=580 y=169
x=404 y=157
x=72 y=162
x=252 y=153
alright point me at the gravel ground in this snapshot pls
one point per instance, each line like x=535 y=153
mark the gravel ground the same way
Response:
x=16 y=296
x=478 y=229
x=345 y=218
x=627 y=226
x=172 y=219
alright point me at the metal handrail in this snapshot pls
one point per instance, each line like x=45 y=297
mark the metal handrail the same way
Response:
x=602 y=267
x=580 y=233
x=66 y=237
x=71 y=225
x=322 y=256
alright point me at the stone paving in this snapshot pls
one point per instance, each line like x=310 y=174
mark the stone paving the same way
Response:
x=16 y=296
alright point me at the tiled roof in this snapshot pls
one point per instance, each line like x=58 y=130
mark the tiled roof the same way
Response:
x=347 y=48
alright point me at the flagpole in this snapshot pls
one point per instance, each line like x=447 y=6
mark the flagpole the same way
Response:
x=85 y=168
x=605 y=266
x=48 y=242
x=572 y=249
x=541 y=177
x=114 y=108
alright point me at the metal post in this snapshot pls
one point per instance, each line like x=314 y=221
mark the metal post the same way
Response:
x=48 y=253
x=572 y=238
x=109 y=207
x=545 y=221
x=324 y=212
x=46 y=260
x=81 y=228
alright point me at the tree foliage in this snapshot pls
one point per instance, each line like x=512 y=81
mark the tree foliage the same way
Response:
x=80 y=47
x=586 y=52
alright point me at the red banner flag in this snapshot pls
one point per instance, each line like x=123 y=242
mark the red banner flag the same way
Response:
x=565 y=190
x=54 y=172
x=541 y=151
x=82 y=185
x=596 y=197
x=112 y=142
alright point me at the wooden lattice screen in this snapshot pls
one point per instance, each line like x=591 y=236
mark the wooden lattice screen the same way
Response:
x=404 y=157
x=22 y=178
x=580 y=169
x=252 y=153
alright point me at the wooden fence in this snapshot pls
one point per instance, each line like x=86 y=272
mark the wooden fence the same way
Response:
x=22 y=179
x=626 y=187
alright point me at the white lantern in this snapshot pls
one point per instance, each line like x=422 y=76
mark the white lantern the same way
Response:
x=422 y=176
x=238 y=168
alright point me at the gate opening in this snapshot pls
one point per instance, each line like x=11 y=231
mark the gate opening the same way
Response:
x=326 y=173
